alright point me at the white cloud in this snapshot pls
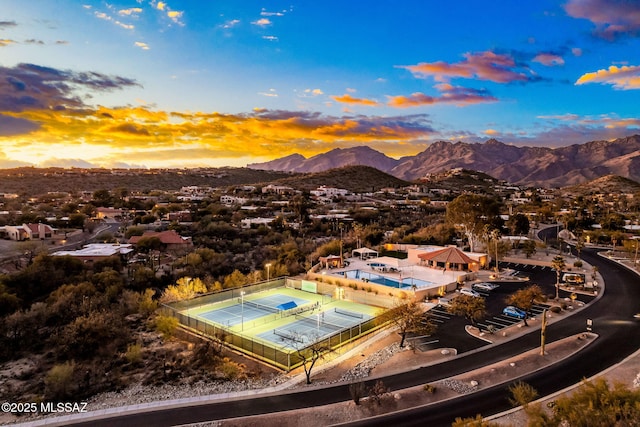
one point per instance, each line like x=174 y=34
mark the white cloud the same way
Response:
x=270 y=38
x=142 y=45
x=231 y=24
x=271 y=93
x=313 y=92
x=262 y=22
x=265 y=13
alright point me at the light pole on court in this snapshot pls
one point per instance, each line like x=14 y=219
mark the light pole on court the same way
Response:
x=242 y=310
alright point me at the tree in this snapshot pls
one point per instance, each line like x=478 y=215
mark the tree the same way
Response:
x=494 y=242
x=524 y=299
x=558 y=264
x=593 y=404
x=134 y=231
x=185 y=288
x=579 y=247
x=149 y=243
x=357 y=391
x=472 y=308
x=77 y=220
x=102 y=197
x=472 y=212
x=309 y=348
x=529 y=248
x=409 y=318
x=235 y=280
x=519 y=225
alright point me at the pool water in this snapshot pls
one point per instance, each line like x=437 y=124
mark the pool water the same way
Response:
x=365 y=276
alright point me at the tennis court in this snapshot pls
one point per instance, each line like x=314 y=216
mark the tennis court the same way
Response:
x=308 y=328
x=244 y=311
x=274 y=322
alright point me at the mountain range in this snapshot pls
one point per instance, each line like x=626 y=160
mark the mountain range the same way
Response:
x=542 y=166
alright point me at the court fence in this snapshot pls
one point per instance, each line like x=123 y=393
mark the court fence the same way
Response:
x=290 y=354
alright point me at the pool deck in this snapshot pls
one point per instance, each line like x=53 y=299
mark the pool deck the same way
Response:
x=436 y=278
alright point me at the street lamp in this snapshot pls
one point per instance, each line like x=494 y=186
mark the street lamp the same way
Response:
x=268 y=267
x=242 y=310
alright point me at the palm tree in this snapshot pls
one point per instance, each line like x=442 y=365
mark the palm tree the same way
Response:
x=558 y=264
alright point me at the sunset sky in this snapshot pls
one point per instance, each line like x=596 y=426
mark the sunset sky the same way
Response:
x=191 y=83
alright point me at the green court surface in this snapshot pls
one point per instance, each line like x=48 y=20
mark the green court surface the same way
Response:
x=284 y=317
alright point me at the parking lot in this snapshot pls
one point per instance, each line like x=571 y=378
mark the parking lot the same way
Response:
x=451 y=331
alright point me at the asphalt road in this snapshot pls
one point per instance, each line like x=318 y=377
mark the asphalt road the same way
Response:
x=612 y=319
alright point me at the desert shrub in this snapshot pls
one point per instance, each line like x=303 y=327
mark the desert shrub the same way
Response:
x=166 y=325
x=378 y=392
x=232 y=370
x=555 y=309
x=578 y=264
x=522 y=394
x=59 y=381
x=133 y=353
x=429 y=388
x=146 y=304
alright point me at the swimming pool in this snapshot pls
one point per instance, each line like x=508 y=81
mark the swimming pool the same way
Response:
x=365 y=276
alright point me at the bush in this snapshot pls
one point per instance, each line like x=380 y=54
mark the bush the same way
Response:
x=429 y=388
x=578 y=264
x=555 y=309
x=134 y=353
x=59 y=380
x=232 y=370
x=166 y=325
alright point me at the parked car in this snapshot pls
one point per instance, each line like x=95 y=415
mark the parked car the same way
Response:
x=470 y=292
x=512 y=311
x=484 y=286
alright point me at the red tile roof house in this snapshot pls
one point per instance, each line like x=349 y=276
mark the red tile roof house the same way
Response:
x=170 y=239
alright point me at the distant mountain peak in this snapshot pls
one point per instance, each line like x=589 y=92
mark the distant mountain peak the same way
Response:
x=335 y=158
x=545 y=166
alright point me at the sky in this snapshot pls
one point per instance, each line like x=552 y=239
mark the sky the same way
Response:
x=181 y=84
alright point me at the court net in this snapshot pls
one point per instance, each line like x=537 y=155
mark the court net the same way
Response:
x=259 y=306
x=348 y=313
x=311 y=322
x=287 y=335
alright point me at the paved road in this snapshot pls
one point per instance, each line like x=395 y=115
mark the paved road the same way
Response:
x=613 y=321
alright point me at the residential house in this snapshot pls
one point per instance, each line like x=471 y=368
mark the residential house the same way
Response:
x=171 y=240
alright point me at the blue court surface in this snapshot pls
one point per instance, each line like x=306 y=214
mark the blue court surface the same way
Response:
x=305 y=330
x=247 y=311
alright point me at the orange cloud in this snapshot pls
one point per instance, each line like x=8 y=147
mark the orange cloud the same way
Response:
x=625 y=77
x=57 y=120
x=104 y=136
x=499 y=68
x=348 y=99
x=449 y=94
